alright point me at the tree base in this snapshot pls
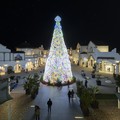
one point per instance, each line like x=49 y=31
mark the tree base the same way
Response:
x=58 y=84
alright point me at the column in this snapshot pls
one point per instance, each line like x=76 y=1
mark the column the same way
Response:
x=114 y=68
x=118 y=103
x=97 y=67
x=3 y=56
x=117 y=69
x=102 y=66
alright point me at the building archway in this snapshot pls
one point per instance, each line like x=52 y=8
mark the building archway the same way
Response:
x=17 y=68
x=2 y=70
x=107 y=66
x=91 y=62
x=10 y=69
x=29 y=66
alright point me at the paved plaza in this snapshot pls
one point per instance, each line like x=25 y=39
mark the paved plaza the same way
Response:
x=21 y=106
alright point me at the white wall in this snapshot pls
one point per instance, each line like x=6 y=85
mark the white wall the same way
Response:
x=7 y=56
x=83 y=49
x=4 y=49
x=1 y=56
x=103 y=48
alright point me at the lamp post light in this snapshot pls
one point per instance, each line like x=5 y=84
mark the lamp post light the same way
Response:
x=9 y=85
x=9 y=104
x=5 y=65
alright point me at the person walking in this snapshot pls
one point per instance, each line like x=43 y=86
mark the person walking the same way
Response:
x=86 y=83
x=49 y=103
x=72 y=93
x=69 y=95
x=37 y=112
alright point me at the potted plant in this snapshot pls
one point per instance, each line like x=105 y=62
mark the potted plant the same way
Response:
x=31 y=85
x=94 y=101
x=74 y=79
x=26 y=88
x=36 y=76
x=33 y=93
x=98 y=81
x=85 y=100
x=12 y=77
x=117 y=79
x=80 y=87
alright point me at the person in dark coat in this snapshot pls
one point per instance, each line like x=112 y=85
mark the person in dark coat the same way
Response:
x=69 y=95
x=37 y=112
x=72 y=93
x=49 y=103
x=86 y=83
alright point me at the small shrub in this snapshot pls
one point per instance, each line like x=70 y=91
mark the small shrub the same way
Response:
x=12 y=77
x=41 y=79
x=74 y=79
x=117 y=79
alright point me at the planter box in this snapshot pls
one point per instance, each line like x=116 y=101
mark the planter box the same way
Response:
x=95 y=104
x=84 y=109
x=98 y=82
x=93 y=75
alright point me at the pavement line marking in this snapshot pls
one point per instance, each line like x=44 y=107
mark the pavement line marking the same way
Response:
x=32 y=106
x=78 y=117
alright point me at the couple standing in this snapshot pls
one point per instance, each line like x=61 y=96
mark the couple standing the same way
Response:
x=70 y=94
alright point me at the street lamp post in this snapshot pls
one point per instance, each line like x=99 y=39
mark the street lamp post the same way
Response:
x=9 y=103
x=8 y=85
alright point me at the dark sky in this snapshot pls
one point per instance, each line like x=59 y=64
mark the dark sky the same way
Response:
x=82 y=21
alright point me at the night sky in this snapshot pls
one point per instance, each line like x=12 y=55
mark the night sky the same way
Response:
x=82 y=21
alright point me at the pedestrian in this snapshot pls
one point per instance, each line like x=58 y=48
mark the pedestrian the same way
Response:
x=86 y=83
x=68 y=83
x=69 y=95
x=17 y=80
x=49 y=103
x=82 y=72
x=72 y=93
x=84 y=75
x=37 y=112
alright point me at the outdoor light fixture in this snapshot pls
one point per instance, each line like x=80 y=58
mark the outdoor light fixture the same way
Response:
x=29 y=59
x=5 y=65
x=117 y=61
x=17 y=61
x=85 y=59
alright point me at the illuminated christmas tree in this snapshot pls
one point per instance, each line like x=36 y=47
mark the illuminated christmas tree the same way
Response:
x=58 y=66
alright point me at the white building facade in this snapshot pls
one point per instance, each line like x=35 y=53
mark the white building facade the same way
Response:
x=101 y=58
x=26 y=58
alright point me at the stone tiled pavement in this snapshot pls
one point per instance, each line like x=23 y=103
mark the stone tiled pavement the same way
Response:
x=61 y=108
x=107 y=111
x=19 y=107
